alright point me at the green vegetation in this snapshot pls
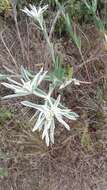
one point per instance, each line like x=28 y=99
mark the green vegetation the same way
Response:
x=3 y=172
x=5 y=115
x=5 y=5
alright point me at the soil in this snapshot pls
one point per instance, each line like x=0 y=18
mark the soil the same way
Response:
x=78 y=160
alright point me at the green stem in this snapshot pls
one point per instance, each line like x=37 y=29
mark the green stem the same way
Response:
x=50 y=45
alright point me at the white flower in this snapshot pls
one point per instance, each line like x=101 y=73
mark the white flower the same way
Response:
x=47 y=115
x=35 y=13
x=26 y=87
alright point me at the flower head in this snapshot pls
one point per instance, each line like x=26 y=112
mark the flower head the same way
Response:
x=27 y=86
x=47 y=115
x=36 y=13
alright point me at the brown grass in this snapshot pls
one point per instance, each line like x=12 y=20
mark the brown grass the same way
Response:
x=71 y=164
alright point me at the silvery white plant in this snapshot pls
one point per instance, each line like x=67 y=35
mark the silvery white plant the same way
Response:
x=48 y=112
x=29 y=84
x=26 y=86
x=36 y=14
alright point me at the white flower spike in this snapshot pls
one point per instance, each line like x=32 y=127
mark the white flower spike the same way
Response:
x=47 y=115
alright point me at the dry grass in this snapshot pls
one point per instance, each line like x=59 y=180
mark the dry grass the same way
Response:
x=68 y=165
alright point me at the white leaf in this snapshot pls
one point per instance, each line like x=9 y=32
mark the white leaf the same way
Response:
x=62 y=122
x=52 y=131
